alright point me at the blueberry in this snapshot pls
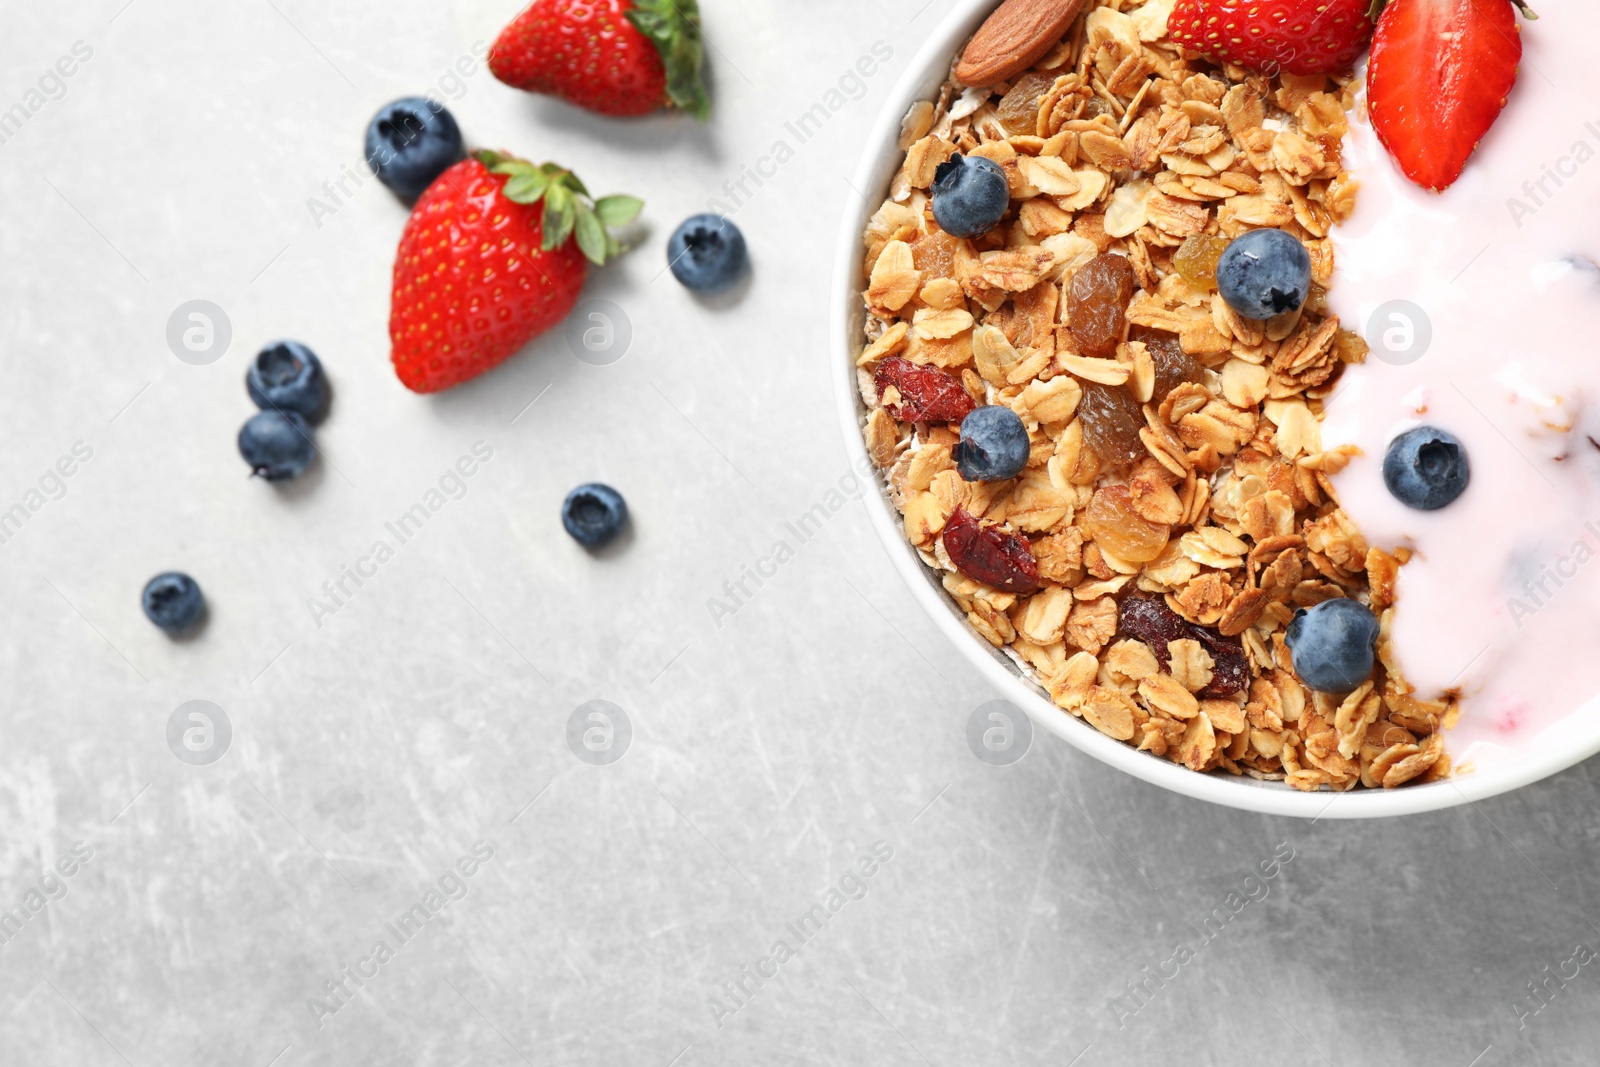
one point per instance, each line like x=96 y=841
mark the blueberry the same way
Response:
x=594 y=514
x=1332 y=644
x=994 y=445
x=288 y=376
x=970 y=195
x=1264 y=273
x=173 y=601
x=410 y=142
x=707 y=253
x=1426 y=468
x=277 y=445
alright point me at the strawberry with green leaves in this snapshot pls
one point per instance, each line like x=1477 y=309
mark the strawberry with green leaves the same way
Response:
x=617 y=57
x=494 y=254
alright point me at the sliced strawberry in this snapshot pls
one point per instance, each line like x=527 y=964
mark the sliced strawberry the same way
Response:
x=1439 y=75
x=1297 y=36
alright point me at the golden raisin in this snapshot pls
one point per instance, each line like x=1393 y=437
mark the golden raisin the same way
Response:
x=935 y=255
x=1196 y=259
x=1120 y=530
x=1097 y=303
x=1350 y=347
x=1019 y=108
x=1097 y=107
x=1111 y=420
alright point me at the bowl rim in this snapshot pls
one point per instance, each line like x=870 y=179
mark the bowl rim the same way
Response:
x=921 y=80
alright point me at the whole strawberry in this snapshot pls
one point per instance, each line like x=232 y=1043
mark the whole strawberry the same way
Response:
x=617 y=57
x=494 y=254
x=1297 y=36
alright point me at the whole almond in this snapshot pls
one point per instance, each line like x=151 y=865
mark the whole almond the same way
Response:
x=1014 y=38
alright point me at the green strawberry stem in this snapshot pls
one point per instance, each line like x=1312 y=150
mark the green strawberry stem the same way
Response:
x=673 y=26
x=568 y=207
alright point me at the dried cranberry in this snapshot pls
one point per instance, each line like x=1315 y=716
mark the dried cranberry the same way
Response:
x=990 y=555
x=1151 y=621
x=927 y=394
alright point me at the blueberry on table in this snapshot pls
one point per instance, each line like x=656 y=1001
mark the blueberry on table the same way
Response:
x=410 y=142
x=970 y=195
x=1426 y=468
x=1333 y=644
x=1264 y=273
x=707 y=253
x=994 y=445
x=594 y=514
x=277 y=445
x=287 y=376
x=173 y=601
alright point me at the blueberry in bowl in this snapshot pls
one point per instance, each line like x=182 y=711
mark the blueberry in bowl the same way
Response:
x=970 y=195
x=1426 y=468
x=410 y=142
x=994 y=445
x=287 y=376
x=1264 y=273
x=1333 y=644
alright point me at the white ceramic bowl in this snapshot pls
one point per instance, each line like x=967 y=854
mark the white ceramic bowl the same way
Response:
x=921 y=82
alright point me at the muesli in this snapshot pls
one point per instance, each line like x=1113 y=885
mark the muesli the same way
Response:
x=1176 y=508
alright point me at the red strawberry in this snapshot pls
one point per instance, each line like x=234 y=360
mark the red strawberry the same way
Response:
x=617 y=57
x=1298 y=36
x=1440 y=73
x=495 y=253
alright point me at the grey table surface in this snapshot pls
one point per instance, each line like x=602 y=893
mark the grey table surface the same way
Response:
x=1047 y=912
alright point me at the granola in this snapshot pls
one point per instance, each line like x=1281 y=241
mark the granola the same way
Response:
x=1175 y=466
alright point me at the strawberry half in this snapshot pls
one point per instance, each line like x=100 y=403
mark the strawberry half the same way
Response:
x=617 y=57
x=1297 y=36
x=1439 y=75
x=494 y=254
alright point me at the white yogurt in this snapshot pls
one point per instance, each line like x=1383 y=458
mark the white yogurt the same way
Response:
x=1502 y=599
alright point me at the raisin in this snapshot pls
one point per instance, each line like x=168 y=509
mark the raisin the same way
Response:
x=1019 y=108
x=927 y=394
x=1196 y=259
x=989 y=555
x=935 y=255
x=1120 y=530
x=1332 y=147
x=1097 y=303
x=1174 y=366
x=1111 y=420
x=1151 y=621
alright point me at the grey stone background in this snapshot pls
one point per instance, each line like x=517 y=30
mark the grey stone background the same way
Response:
x=771 y=748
